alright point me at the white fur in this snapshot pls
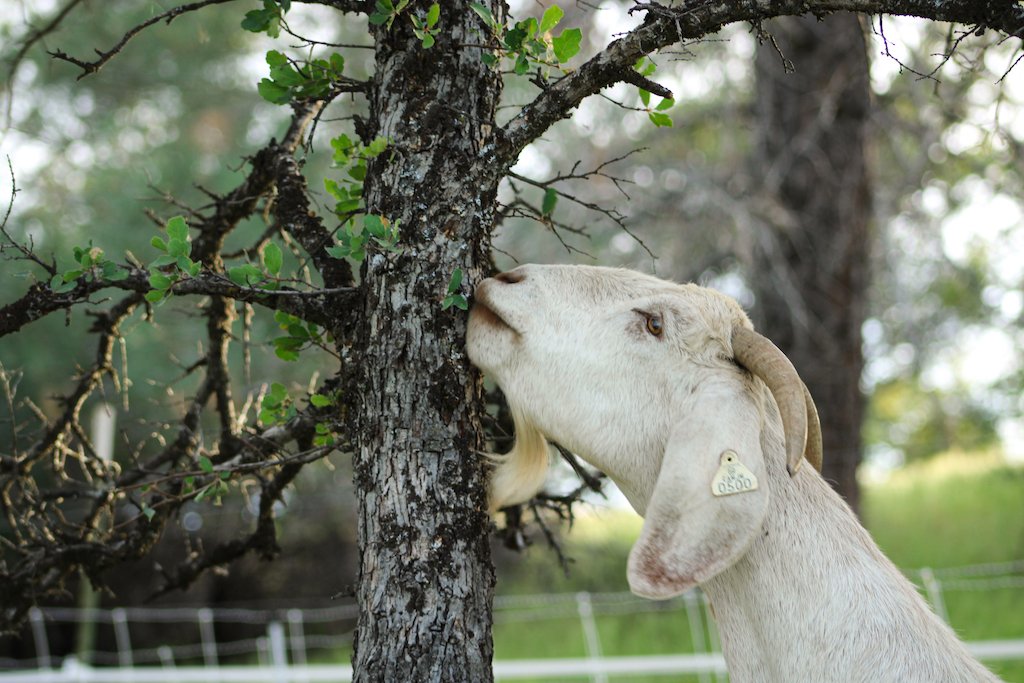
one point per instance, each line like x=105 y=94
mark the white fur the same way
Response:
x=800 y=591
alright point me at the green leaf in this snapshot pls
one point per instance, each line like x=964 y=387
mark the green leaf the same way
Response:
x=665 y=104
x=273 y=93
x=245 y=276
x=337 y=64
x=552 y=15
x=433 y=14
x=567 y=44
x=285 y=354
x=257 y=20
x=320 y=401
x=522 y=65
x=160 y=281
x=148 y=512
x=178 y=248
x=58 y=285
x=514 y=38
x=72 y=275
x=374 y=225
x=485 y=14
x=275 y=58
x=287 y=76
x=177 y=228
x=375 y=148
x=338 y=251
x=456 y=300
x=547 y=207
x=358 y=172
x=427 y=41
x=530 y=25
x=645 y=97
x=159 y=243
x=113 y=272
x=161 y=261
x=185 y=264
x=272 y=258
x=156 y=295
x=660 y=120
x=456 y=281
x=489 y=59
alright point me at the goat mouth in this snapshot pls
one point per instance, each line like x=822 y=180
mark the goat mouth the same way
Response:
x=484 y=314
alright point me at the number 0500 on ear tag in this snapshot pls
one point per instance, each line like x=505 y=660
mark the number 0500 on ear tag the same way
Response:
x=732 y=476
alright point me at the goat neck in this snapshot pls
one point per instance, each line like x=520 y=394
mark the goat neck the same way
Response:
x=814 y=599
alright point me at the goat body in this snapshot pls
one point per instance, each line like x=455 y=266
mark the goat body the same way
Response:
x=640 y=377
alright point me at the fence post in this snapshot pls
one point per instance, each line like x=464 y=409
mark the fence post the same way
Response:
x=35 y=617
x=591 y=638
x=207 y=636
x=713 y=643
x=278 y=652
x=297 y=636
x=121 y=637
x=696 y=622
x=934 y=588
x=104 y=419
x=166 y=655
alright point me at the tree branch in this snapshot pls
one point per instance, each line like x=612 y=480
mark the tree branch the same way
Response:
x=664 y=26
x=352 y=6
x=104 y=57
x=40 y=300
x=30 y=40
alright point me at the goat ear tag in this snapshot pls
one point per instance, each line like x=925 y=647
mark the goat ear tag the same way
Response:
x=732 y=476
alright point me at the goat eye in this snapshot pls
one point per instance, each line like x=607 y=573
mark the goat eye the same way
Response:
x=654 y=326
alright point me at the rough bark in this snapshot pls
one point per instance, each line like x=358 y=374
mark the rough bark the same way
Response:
x=426 y=579
x=812 y=262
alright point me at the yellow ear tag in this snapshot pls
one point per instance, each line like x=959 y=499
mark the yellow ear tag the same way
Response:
x=732 y=476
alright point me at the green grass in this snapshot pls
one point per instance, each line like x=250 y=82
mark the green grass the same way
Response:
x=952 y=511
x=949 y=512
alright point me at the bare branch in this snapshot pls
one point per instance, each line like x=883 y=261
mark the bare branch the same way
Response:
x=104 y=57
x=26 y=251
x=352 y=6
x=666 y=25
x=30 y=40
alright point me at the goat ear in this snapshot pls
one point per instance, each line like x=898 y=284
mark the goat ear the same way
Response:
x=690 y=534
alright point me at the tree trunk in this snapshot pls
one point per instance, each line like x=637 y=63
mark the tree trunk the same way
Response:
x=426 y=579
x=811 y=266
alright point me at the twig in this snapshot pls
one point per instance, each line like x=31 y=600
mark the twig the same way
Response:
x=104 y=57
x=28 y=253
x=31 y=40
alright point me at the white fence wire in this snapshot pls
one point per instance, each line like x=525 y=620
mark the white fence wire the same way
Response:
x=285 y=640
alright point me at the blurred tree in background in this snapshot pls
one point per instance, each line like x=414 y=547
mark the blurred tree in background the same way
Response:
x=810 y=256
x=237 y=349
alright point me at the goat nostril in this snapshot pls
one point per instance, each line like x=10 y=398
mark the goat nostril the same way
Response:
x=510 y=277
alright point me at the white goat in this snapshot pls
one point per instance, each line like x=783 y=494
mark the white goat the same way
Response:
x=702 y=423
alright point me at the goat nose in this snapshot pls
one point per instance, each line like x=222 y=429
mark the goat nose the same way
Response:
x=511 y=276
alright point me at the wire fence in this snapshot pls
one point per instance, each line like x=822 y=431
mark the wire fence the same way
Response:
x=291 y=644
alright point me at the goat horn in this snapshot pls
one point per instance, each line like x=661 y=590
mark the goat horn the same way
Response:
x=814 y=450
x=766 y=361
